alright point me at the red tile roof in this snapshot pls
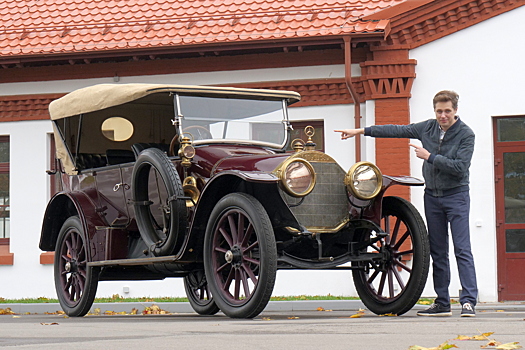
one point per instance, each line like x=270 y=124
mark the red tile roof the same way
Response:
x=33 y=27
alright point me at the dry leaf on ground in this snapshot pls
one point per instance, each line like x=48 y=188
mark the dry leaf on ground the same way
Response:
x=443 y=346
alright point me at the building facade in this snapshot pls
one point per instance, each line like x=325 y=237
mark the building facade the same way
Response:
x=384 y=69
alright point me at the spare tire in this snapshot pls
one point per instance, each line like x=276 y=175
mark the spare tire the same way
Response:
x=158 y=198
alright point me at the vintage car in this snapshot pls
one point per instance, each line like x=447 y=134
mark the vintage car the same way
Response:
x=204 y=183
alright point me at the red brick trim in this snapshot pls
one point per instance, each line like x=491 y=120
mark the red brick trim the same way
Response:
x=437 y=19
x=6 y=258
x=47 y=258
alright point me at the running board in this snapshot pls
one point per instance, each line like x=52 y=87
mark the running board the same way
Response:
x=140 y=261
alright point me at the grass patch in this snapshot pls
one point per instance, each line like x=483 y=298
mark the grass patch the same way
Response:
x=120 y=299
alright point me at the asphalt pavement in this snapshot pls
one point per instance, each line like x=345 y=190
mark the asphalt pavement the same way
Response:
x=290 y=325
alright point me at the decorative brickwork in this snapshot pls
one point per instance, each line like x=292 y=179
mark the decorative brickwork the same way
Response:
x=388 y=79
x=437 y=19
x=392 y=155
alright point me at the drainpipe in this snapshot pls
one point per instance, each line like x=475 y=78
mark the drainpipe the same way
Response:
x=353 y=93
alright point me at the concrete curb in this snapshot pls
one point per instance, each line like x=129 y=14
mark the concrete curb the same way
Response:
x=273 y=306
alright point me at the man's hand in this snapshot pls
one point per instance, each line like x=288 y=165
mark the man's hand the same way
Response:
x=420 y=152
x=347 y=133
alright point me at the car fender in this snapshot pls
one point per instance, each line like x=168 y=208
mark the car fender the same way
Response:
x=62 y=206
x=226 y=182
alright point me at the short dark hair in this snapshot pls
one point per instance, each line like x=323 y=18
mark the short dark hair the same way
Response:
x=445 y=96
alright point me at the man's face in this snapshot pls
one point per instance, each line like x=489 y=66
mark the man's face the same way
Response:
x=445 y=114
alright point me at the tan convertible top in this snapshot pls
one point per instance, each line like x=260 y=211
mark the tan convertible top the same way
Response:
x=103 y=96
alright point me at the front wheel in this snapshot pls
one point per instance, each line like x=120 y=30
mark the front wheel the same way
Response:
x=240 y=256
x=394 y=283
x=75 y=282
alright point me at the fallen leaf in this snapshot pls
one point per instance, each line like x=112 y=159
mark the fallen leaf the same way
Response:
x=359 y=313
x=443 y=346
x=293 y=317
x=500 y=310
x=492 y=343
x=482 y=336
x=6 y=311
x=389 y=314
x=49 y=324
x=266 y=319
x=509 y=346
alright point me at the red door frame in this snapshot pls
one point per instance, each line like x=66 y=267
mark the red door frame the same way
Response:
x=504 y=259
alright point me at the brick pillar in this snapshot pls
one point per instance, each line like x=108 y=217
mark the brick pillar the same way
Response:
x=392 y=155
x=388 y=79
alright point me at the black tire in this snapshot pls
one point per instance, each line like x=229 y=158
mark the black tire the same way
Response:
x=160 y=209
x=240 y=256
x=75 y=282
x=199 y=294
x=395 y=284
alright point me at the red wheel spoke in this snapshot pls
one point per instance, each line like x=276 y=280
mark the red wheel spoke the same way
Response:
x=237 y=287
x=382 y=284
x=251 y=260
x=395 y=231
x=390 y=283
x=247 y=235
x=398 y=278
x=229 y=280
x=253 y=245
x=226 y=236
x=233 y=229
x=222 y=267
x=401 y=240
x=373 y=277
x=240 y=230
x=244 y=279
x=405 y=252
x=69 y=249
x=403 y=266
x=221 y=250
x=250 y=273
x=387 y=225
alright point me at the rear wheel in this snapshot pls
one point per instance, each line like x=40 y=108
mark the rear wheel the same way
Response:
x=240 y=256
x=394 y=283
x=199 y=294
x=75 y=282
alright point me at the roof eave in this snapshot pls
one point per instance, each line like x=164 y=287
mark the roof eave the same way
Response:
x=216 y=48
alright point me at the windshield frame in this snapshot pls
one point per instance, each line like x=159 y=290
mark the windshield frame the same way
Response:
x=179 y=120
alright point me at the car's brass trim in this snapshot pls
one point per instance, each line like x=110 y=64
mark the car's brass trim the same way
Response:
x=335 y=229
x=349 y=180
x=313 y=156
x=280 y=172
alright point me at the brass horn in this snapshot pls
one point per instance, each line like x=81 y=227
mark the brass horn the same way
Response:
x=190 y=190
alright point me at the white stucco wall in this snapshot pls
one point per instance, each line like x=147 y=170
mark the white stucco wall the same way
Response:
x=485 y=67
x=479 y=63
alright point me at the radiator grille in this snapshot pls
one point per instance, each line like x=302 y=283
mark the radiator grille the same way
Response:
x=327 y=206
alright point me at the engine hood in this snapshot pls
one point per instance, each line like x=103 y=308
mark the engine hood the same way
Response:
x=217 y=158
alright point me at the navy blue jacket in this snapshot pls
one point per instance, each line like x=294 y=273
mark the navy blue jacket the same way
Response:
x=447 y=170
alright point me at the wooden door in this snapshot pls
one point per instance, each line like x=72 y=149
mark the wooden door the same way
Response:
x=510 y=206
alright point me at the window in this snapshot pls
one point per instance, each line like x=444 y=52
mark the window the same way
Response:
x=298 y=132
x=4 y=189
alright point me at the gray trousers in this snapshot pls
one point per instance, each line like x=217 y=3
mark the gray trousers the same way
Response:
x=439 y=212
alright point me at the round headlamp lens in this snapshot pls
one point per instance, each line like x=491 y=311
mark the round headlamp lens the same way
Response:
x=298 y=177
x=188 y=151
x=364 y=180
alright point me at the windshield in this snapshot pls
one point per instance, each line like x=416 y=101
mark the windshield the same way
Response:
x=234 y=120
